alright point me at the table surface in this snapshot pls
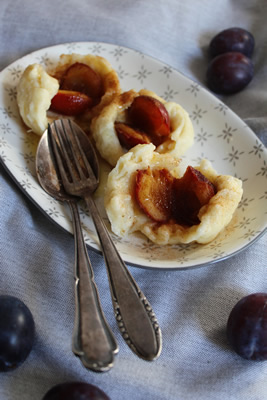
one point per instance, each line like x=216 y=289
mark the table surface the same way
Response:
x=36 y=257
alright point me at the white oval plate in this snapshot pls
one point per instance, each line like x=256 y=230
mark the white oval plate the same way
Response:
x=220 y=136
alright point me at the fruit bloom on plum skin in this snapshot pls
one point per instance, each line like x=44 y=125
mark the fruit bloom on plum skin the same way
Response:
x=75 y=391
x=16 y=332
x=232 y=39
x=229 y=73
x=247 y=327
x=230 y=69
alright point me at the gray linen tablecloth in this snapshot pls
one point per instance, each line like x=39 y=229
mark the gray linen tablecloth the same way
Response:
x=36 y=257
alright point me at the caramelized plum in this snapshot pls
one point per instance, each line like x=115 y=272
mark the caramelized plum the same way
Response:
x=69 y=102
x=153 y=193
x=150 y=115
x=130 y=137
x=229 y=73
x=232 y=39
x=80 y=77
x=247 y=327
x=163 y=197
x=190 y=193
x=195 y=181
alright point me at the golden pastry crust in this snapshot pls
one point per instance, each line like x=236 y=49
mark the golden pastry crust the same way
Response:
x=111 y=83
x=103 y=130
x=106 y=139
x=126 y=217
x=35 y=90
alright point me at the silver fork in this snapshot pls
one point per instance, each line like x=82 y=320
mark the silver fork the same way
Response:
x=92 y=340
x=78 y=167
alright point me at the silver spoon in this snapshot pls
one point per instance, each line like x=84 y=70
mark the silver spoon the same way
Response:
x=92 y=339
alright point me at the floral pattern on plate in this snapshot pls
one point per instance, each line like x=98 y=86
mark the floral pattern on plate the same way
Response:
x=220 y=136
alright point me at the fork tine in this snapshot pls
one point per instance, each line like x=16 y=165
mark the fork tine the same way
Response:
x=77 y=149
x=58 y=156
x=66 y=147
x=69 y=150
x=76 y=171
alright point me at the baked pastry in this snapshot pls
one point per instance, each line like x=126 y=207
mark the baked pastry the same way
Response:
x=127 y=216
x=35 y=90
x=80 y=86
x=119 y=125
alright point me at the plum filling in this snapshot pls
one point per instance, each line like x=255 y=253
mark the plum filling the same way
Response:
x=153 y=192
x=148 y=122
x=80 y=89
x=165 y=198
x=130 y=137
x=82 y=78
x=68 y=102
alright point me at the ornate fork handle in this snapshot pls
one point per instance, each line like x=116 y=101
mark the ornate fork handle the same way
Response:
x=92 y=339
x=135 y=317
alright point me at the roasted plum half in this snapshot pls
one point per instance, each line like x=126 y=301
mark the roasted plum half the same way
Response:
x=149 y=122
x=165 y=198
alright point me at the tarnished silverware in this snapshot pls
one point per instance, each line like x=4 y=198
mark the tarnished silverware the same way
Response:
x=92 y=339
x=78 y=167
